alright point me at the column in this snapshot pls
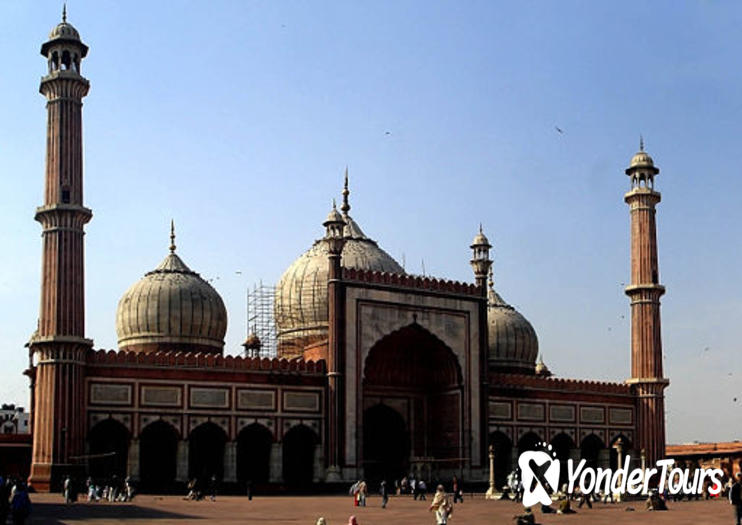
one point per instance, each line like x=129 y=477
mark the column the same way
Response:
x=276 y=468
x=182 y=469
x=492 y=489
x=604 y=458
x=132 y=464
x=230 y=462
x=318 y=471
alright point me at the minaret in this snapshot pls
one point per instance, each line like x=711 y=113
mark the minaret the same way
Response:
x=480 y=261
x=59 y=344
x=645 y=292
x=334 y=226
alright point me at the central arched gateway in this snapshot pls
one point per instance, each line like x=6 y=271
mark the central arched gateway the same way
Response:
x=412 y=401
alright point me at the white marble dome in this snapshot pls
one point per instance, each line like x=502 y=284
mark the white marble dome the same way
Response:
x=171 y=308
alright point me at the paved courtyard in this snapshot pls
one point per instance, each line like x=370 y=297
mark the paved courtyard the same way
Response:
x=163 y=510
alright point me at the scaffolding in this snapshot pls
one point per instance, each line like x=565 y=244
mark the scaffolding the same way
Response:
x=260 y=320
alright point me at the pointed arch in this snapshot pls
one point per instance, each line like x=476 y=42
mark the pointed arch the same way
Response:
x=414 y=356
x=590 y=448
x=422 y=375
x=108 y=443
x=158 y=456
x=502 y=447
x=254 y=444
x=299 y=445
x=562 y=445
x=206 y=452
x=528 y=441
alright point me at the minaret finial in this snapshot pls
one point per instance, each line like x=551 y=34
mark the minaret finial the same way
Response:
x=345 y=208
x=641 y=143
x=64 y=12
x=480 y=228
x=334 y=204
x=172 y=236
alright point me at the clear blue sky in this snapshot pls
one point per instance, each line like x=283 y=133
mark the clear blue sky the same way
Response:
x=238 y=118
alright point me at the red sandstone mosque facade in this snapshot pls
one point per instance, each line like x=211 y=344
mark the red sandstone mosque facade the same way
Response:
x=379 y=373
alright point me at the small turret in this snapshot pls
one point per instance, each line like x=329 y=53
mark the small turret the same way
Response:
x=480 y=260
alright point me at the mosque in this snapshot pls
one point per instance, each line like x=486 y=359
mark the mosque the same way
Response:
x=378 y=372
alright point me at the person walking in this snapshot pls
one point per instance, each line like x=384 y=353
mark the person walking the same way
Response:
x=362 y=493
x=384 y=494
x=441 y=505
x=422 y=489
x=20 y=506
x=458 y=490
x=735 y=497
x=212 y=487
x=67 y=490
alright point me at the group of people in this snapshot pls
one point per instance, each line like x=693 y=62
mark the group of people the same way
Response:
x=418 y=489
x=441 y=505
x=197 y=488
x=411 y=486
x=111 y=490
x=14 y=501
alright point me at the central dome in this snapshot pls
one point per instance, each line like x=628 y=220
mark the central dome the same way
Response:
x=301 y=294
x=171 y=309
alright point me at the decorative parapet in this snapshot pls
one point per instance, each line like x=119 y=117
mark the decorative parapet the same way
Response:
x=202 y=361
x=725 y=449
x=414 y=282
x=500 y=380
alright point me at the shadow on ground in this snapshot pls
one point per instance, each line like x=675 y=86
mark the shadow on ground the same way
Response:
x=59 y=513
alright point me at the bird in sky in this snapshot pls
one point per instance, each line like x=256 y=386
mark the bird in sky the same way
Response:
x=387 y=133
x=559 y=130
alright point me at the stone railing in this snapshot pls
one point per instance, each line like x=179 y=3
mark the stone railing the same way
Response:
x=499 y=380
x=203 y=361
x=415 y=282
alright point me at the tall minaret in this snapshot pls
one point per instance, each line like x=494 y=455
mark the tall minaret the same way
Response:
x=645 y=291
x=59 y=344
x=334 y=234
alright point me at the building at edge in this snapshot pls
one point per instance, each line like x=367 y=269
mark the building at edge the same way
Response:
x=379 y=373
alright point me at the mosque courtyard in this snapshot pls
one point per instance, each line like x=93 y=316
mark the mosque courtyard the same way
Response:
x=163 y=510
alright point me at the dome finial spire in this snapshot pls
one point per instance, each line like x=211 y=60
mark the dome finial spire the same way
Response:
x=172 y=236
x=641 y=142
x=64 y=12
x=345 y=208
